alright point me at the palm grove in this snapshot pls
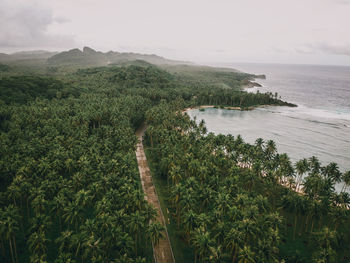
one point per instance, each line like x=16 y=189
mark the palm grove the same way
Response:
x=70 y=188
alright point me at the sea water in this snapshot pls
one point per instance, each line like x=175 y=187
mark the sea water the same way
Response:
x=319 y=126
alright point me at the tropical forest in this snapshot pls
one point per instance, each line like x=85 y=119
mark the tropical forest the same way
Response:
x=99 y=162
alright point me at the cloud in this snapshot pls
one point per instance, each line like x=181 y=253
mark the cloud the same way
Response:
x=344 y=2
x=61 y=20
x=334 y=49
x=279 y=50
x=305 y=50
x=26 y=25
x=324 y=47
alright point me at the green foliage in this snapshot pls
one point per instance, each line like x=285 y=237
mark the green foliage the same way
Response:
x=89 y=57
x=70 y=188
x=237 y=202
x=4 y=68
x=21 y=89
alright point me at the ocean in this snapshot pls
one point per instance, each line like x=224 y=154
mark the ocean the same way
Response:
x=319 y=126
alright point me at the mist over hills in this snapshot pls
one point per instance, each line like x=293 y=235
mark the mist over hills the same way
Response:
x=85 y=57
x=45 y=62
x=25 y=55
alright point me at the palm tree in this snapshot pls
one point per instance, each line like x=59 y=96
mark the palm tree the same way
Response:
x=136 y=224
x=285 y=168
x=344 y=200
x=332 y=172
x=326 y=241
x=296 y=204
x=155 y=231
x=64 y=240
x=346 y=179
x=83 y=197
x=92 y=249
x=65 y=258
x=267 y=249
x=177 y=194
x=314 y=211
x=137 y=198
x=39 y=203
x=40 y=222
x=58 y=204
x=125 y=243
x=248 y=227
x=302 y=166
x=140 y=260
x=123 y=259
x=175 y=174
x=9 y=225
x=190 y=222
x=339 y=215
x=149 y=212
x=259 y=143
x=273 y=221
x=245 y=255
x=202 y=128
x=270 y=149
x=37 y=244
x=220 y=231
x=314 y=165
x=206 y=195
x=14 y=190
x=202 y=243
x=76 y=241
x=222 y=202
x=233 y=240
x=313 y=185
x=72 y=213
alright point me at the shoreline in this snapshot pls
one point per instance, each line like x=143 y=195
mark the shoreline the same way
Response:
x=228 y=107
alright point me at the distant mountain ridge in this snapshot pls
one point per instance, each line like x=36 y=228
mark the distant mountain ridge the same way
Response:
x=91 y=57
x=85 y=57
x=26 y=55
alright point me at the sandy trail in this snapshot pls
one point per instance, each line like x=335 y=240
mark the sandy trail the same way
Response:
x=162 y=251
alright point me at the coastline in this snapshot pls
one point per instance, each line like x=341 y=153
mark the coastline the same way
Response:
x=228 y=107
x=251 y=84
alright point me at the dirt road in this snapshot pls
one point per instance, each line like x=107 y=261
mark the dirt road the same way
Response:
x=162 y=251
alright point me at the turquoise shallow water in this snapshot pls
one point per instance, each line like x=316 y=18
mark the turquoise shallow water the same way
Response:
x=319 y=126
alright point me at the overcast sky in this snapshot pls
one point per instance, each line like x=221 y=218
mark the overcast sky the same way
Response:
x=272 y=31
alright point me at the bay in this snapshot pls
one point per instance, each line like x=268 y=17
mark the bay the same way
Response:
x=319 y=126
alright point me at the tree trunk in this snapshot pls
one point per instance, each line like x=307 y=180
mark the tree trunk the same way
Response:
x=27 y=207
x=336 y=226
x=77 y=251
x=3 y=248
x=295 y=225
x=306 y=222
x=11 y=250
x=178 y=219
x=312 y=225
x=235 y=254
x=15 y=246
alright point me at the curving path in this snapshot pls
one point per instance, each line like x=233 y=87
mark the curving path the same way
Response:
x=162 y=251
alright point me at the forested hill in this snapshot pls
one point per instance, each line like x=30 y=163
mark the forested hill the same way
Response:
x=87 y=57
x=21 y=89
x=90 y=57
x=26 y=55
x=197 y=87
x=70 y=189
